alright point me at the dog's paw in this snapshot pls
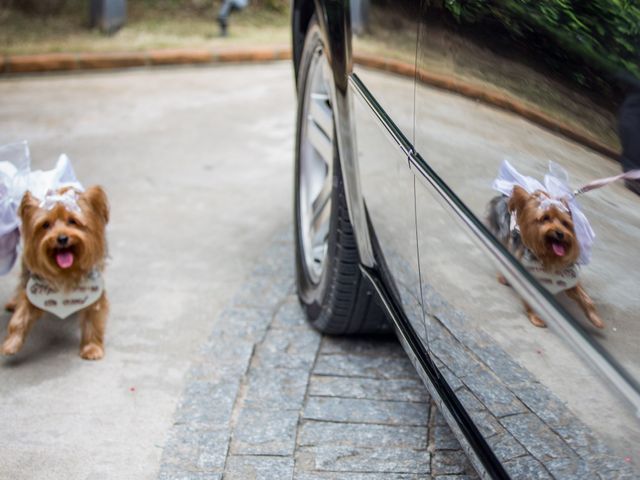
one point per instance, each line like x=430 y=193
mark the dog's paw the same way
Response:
x=11 y=345
x=536 y=320
x=92 y=351
x=11 y=305
x=596 y=320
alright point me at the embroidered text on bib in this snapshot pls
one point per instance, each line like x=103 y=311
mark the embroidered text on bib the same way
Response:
x=555 y=282
x=60 y=303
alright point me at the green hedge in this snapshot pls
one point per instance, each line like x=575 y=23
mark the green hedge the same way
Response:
x=605 y=34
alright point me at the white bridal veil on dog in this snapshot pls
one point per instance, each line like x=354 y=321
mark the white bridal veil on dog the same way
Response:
x=16 y=178
x=556 y=184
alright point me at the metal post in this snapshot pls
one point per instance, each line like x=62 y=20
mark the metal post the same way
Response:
x=108 y=15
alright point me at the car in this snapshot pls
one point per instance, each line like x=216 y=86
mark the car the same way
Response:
x=410 y=114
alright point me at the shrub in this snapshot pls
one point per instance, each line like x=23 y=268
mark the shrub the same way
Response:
x=604 y=34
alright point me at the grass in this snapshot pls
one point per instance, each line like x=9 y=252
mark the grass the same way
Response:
x=147 y=28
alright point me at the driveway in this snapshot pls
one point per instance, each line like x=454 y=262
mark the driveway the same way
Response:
x=197 y=163
x=197 y=166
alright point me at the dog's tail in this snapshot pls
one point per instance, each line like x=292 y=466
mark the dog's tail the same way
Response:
x=498 y=217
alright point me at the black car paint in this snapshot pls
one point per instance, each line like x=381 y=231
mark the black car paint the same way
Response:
x=333 y=18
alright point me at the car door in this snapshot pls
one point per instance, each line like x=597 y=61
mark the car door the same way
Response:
x=385 y=35
x=530 y=82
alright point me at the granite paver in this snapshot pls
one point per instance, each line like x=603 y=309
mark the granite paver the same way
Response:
x=269 y=397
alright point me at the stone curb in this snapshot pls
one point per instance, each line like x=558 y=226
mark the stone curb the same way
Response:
x=60 y=62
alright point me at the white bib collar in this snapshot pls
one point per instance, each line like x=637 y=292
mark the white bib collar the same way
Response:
x=556 y=281
x=63 y=303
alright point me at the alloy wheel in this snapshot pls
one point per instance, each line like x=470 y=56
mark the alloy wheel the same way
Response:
x=316 y=166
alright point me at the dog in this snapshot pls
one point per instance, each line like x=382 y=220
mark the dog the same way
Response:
x=539 y=231
x=64 y=252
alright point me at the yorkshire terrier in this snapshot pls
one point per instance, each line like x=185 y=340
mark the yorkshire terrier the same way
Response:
x=541 y=234
x=62 y=262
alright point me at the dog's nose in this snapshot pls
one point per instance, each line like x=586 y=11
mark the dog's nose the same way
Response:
x=63 y=240
x=559 y=235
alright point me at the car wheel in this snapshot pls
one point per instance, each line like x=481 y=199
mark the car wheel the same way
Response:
x=329 y=282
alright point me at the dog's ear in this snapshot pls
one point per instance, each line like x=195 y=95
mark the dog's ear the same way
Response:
x=519 y=198
x=28 y=205
x=97 y=200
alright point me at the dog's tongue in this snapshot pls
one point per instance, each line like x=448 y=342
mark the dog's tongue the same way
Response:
x=558 y=249
x=64 y=259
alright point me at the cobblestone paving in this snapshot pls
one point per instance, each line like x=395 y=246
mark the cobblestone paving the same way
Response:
x=270 y=398
x=531 y=431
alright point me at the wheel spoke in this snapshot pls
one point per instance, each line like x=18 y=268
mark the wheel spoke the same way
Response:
x=320 y=208
x=319 y=236
x=320 y=141
x=322 y=198
x=320 y=114
x=319 y=253
x=320 y=97
x=327 y=74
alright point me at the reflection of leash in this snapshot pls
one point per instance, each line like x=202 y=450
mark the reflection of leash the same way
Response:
x=630 y=175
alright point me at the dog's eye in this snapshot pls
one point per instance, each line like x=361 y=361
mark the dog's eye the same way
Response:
x=545 y=218
x=71 y=221
x=46 y=225
x=566 y=224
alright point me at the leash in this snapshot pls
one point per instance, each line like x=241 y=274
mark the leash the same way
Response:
x=630 y=175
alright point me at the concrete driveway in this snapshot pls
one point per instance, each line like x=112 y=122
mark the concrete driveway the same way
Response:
x=210 y=370
x=197 y=164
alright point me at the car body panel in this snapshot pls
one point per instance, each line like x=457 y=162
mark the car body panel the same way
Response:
x=464 y=142
x=387 y=183
x=433 y=107
x=383 y=149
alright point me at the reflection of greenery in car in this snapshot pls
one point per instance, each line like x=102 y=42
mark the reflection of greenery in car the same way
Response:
x=579 y=36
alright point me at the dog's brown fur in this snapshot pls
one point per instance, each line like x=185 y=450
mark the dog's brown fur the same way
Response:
x=86 y=233
x=538 y=229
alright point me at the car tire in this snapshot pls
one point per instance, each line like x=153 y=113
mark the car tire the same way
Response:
x=330 y=284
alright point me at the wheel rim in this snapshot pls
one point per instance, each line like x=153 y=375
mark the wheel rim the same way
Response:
x=316 y=166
